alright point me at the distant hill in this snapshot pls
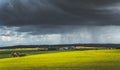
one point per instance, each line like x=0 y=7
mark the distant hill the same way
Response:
x=62 y=45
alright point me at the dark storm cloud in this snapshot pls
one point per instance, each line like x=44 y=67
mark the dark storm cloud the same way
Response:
x=57 y=16
x=48 y=29
x=29 y=13
x=57 y=12
x=59 y=21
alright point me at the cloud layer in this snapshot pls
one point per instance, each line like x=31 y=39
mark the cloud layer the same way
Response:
x=55 y=12
x=79 y=21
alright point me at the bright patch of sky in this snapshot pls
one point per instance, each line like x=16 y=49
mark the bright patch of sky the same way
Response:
x=98 y=34
x=9 y=36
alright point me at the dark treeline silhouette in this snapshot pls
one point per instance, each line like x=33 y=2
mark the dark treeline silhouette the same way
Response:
x=62 y=45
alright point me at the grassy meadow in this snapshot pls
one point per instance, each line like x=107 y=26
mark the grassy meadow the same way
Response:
x=65 y=60
x=6 y=53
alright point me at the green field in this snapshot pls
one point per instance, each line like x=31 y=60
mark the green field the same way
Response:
x=6 y=53
x=69 y=60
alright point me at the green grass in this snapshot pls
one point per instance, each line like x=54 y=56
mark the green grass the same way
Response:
x=70 y=60
x=6 y=53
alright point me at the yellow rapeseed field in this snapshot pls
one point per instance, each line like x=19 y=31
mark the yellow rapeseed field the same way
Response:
x=70 y=60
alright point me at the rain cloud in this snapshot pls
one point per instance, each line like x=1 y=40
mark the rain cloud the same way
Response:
x=59 y=21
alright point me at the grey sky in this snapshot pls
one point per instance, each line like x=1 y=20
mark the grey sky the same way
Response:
x=59 y=21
